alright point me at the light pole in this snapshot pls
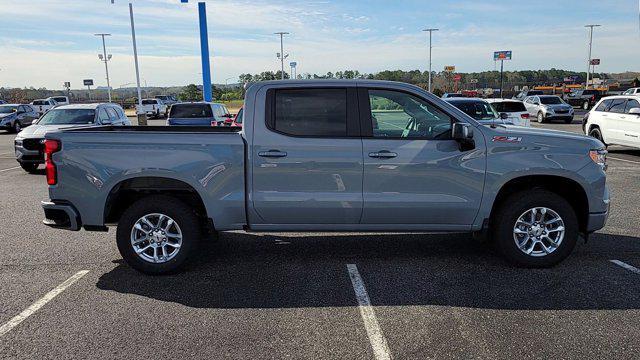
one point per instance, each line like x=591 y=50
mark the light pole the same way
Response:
x=281 y=54
x=105 y=58
x=590 y=26
x=430 y=31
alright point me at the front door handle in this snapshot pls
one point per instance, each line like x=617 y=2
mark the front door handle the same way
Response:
x=384 y=154
x=272 y=154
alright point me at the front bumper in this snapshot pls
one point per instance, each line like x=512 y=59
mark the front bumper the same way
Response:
x=61 y=216
x=556 y=116
x=598 y=221
x=33 y=155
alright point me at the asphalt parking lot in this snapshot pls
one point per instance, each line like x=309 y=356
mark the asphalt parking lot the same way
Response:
x=273 y=296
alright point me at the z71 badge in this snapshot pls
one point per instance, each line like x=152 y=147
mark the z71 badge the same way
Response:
x=507 y=139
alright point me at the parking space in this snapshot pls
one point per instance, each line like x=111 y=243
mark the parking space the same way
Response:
x=294 y=296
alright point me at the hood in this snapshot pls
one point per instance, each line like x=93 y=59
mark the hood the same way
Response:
x=541 y=135
x=41 y=130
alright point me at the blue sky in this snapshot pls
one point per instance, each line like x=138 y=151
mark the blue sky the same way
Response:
x=47 y=42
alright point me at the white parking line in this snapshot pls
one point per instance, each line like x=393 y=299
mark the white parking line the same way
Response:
x=624 y=265
x=13 y=168
x=376 y=338
x=624 y=160
x=16 y=320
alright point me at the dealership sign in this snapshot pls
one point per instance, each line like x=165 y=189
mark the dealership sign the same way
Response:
x=450 y=68
x=88 y=82
x=595 y=62
x=502 y=55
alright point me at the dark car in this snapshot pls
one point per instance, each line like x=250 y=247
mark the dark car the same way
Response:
x=585 y=99
x=14 y=117
x=479 y=109
x=198 y=114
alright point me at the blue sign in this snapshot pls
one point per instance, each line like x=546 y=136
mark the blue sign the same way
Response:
x=184 y=1
x=502 y=55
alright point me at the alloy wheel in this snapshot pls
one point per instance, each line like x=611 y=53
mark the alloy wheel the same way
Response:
x=156 y=238
x=539 y=232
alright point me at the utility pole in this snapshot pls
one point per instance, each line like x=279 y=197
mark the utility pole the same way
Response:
x=105 y=58
x=142 y=118
x=430 y=31
x=590 y=26
x=281 y=54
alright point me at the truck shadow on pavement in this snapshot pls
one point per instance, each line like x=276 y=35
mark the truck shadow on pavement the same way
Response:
x=288 y=271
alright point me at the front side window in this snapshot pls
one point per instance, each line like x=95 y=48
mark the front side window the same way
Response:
x=618 y=106
x=112 y=114
x=68 y=117
x=311 y=112
x=631 y=104
x=479 y=110
x=399 y=115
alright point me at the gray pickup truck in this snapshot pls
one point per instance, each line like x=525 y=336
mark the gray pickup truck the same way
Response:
x=361 y=156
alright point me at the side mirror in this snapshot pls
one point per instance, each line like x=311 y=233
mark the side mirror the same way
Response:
x=504 y=116
x=634 y=111
x=463 y=134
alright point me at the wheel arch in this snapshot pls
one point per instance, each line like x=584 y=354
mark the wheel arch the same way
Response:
x=567 y=188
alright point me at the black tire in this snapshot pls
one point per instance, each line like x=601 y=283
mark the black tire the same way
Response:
x=568 y=121
x=597 y=134
x=586 y=105
x=516 y=205
x=541 y=118
x=16 y=127
x=29 y=167
x=172 y=207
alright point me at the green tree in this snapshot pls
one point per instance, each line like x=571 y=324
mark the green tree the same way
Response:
x=190 y=93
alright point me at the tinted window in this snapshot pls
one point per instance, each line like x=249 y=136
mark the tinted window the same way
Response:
x=590 y=92
x=240 y=116
x=112 y=114
x=509 y=106
x=478 y=110
x=60 y=99
x=191 y=111
x=311 y=112
x=632 y=104
x=149 y=102
x=618 y=106
x=551 y=100
x=400 y=115
x=39 y=102
x=103 y=116
x=7 y=109
x=535 y=92
x=68 y=117
x=604 y=105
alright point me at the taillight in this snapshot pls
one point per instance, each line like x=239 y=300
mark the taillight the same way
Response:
x=593 y=98
x=524 y=116
x=50 y=147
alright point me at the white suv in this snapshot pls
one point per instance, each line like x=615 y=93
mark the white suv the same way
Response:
x=615 y=120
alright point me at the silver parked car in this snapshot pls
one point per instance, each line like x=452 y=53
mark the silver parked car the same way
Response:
x=29 y=142
x=14 y=117
x=548 y=107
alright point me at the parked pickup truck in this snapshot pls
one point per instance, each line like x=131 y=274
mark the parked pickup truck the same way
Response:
x=584 y=99
x=153 y=108
x=309 y=158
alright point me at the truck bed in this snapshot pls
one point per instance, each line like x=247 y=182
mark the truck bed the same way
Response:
x=162 y=129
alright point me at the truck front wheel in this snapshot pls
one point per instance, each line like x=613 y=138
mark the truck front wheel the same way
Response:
x=157 y=234
x=535 y=228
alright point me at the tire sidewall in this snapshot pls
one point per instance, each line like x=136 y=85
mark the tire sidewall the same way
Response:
x=519 y=203
x=540 y=117
x=171 y=207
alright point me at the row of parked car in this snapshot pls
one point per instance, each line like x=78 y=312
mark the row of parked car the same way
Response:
x=14 y=117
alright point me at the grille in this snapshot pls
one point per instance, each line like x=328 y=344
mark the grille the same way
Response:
x=33 y=144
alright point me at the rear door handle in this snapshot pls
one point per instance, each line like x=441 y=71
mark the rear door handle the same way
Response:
x=272 y=154
x=384 y=154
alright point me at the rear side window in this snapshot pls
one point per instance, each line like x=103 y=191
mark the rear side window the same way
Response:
x=618 y=106
x=112 y=114
x=38 y=102
x=604 y=105
x=509 y=106
x=311 y=112
x=149 y=102
x=191 y=111
x=60 y=99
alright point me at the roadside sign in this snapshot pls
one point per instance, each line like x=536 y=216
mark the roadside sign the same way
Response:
x=450 y=68
x=474 y=81
x=88 y=82
x=67 y=84
x=595 y=62
x=293 y=64
x=502 y=55
x=457 y=77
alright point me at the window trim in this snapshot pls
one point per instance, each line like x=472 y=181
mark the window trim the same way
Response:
x=367 y=125
x=625 y=100
x=353 y=118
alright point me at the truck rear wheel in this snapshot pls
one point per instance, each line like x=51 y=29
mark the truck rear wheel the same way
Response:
x=536 y=229
x=157 y=234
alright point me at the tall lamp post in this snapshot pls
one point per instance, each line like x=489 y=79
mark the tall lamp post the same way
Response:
x=105 y=58
x=430 y=31
x=590 y=26
x=281 y=54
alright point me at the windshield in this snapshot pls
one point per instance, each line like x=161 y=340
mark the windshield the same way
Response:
x=551 y=100
x=509 y=107
x=68 y=117
x=7 y=109
x=149 y=102
x=478 y=110
x=190 y=111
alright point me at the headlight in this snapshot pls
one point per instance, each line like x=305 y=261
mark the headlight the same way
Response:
x=599 y=157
